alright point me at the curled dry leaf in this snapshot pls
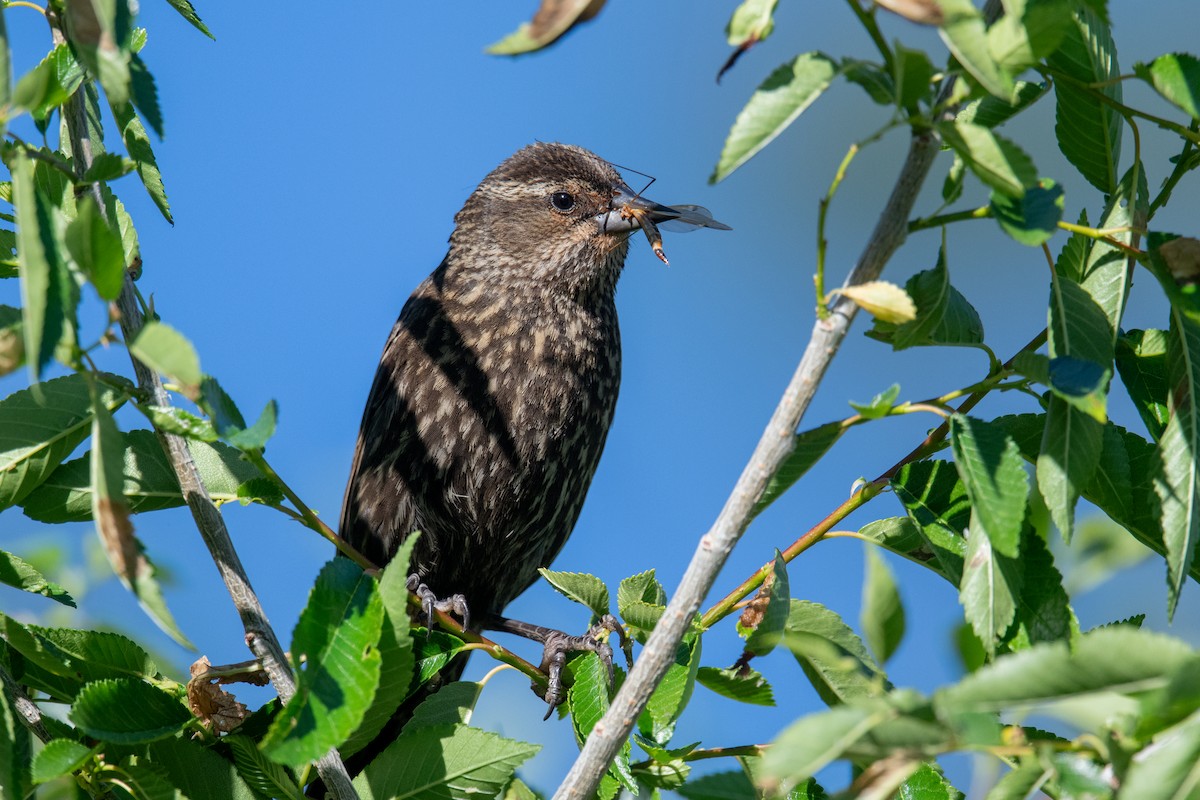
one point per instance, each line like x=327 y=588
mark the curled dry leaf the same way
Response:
x=923 y=12
x=1182 y=257
x=212 y=705
x=886 y=301
x=552 y=19
x=752 y=614
x=116 y=533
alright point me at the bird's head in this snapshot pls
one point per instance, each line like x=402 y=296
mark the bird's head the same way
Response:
x=555 y=214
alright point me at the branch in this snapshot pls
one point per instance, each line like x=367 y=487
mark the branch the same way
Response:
x=773 y=448
x=260 y=638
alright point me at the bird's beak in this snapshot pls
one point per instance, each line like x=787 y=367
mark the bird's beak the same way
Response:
x=628 y=210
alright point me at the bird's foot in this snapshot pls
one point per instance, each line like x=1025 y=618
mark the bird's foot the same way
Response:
x=556 y=646
x=455 y=603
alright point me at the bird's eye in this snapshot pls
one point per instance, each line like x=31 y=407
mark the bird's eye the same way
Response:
x=563 y=201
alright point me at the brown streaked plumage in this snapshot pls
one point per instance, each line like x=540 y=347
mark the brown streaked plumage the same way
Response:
x=497 y=385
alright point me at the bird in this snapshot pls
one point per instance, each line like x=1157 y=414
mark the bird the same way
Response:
x=496 y=388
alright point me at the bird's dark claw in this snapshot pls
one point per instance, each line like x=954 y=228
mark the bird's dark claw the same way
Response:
x=455 y=603
x=558 y=644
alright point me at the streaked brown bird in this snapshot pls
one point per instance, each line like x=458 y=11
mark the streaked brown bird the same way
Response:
x=497 y=385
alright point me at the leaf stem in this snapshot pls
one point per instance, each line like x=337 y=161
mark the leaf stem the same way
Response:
x=1124 y=110
x=25 y=4
x=939 y=220
x=306 y=515
x=1106 y=237
x=822 y=212
x=867 y=19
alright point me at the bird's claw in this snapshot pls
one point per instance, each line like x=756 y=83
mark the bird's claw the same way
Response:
x=455 y=603
x=558 y=644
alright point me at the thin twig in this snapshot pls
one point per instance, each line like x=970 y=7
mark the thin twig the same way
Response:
x=260 y=637
x=773 y=448
x=31 y=715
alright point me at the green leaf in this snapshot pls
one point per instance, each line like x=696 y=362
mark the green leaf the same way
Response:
x=432 y=652
x=991 y=111
x=1142 y=365
x=944 y=317
x=1169 y=768
x=451 y=704
x=831 y=654
x=731 y=785
x=877 y=83
x=674 y=691
x=1043 y=608
x=1019 y=782
x=85 y=655
x=127 y=711
x=752 y=21
x=255 y=437
x=1176 y=481
x=137 y=143
x=1106 y=272
x=1088 y=130
x=172 y=419
x=1017 y=41
x=99 y=33
x=990 y=466
x=395 y=650
x=446 y=761
x=964 y=33
x=763 y=636
x=108 y=167
x=777 y=102
x=1032 y=219
x=1068 y=459
x=643 y=587
x=260 y=773
x=937 y=501
x=337 y=636
x=1056 y=671
x=913 y=75
x=988 y=590
x=144 y=94
x=198 y=772
x=928 y=783
x=880 y=405
x=589 y=701
x=188 y=12
x=150 y=482
x=902 y=536
x=995 y=160
x=166 y=350
x=15 y=571
x=585 y=589
x=41 y=268
x=806 y=746
x=49 y=84
x=744 y=685
x=1176 y=76
x=96 y=249
x=882 y=615
x=59 y=757
x=39 y=427
x=807 y=449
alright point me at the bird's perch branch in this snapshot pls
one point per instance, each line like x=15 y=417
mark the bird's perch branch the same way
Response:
x=773 y=448
x=260 y=637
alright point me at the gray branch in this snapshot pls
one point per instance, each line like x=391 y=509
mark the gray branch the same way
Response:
x=260 y=637
x=773 y=448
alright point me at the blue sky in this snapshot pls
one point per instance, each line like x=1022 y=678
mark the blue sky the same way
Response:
x=315 y=155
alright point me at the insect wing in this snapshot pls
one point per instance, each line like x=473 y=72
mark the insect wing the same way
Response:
x=690 y=218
